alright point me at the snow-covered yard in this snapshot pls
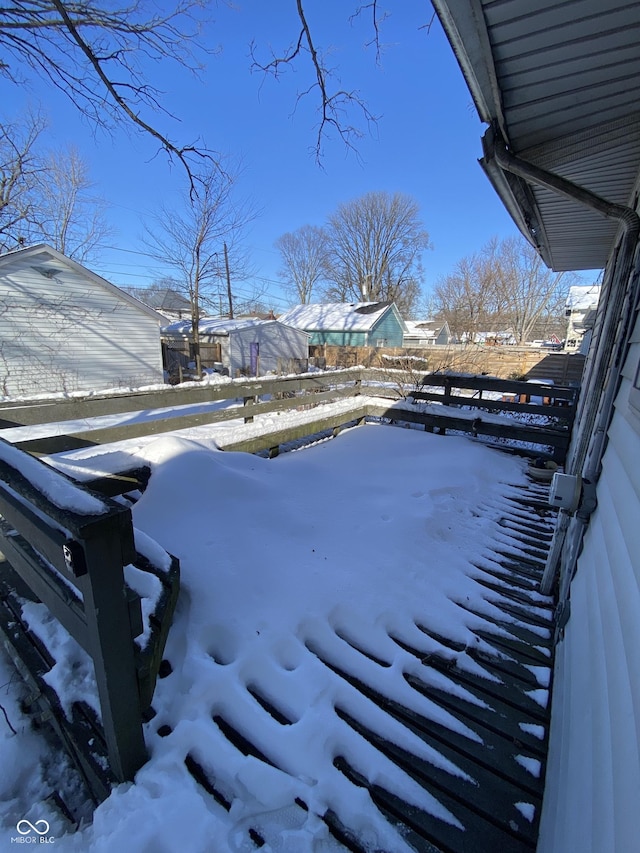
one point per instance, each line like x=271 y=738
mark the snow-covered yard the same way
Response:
x=332 y=553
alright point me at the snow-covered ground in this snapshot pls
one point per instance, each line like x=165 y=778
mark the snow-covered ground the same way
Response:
x=347 y=543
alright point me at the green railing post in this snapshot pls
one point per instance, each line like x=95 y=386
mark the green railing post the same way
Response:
x=107 y=546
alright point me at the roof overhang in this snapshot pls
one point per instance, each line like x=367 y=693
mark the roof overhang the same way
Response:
x=559 y=85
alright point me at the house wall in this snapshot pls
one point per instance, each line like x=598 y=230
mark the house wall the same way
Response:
x=68 y=333
x=592 y=788
x=387 y=332
x=337 y=338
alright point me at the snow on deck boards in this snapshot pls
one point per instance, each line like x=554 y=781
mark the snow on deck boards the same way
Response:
x=504 y=769
x=363 y=663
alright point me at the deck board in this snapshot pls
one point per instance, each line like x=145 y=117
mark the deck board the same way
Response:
x=514 y=644
x=498 y=676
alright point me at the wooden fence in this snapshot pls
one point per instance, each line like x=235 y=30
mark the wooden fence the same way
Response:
x=504 y=362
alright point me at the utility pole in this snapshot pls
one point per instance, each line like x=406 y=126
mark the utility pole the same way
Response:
x=226 y=266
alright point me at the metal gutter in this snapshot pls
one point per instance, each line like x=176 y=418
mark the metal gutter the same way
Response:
x=608 y=360
x=534 y=174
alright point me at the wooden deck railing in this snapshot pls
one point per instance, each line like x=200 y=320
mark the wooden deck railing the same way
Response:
x=551 y=425
x=68 y=551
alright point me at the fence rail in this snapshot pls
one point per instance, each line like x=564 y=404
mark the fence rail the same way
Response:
x=552 y=406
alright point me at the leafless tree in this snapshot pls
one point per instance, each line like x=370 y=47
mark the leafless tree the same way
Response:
x=467 y=297
x=529 y=292
x=67 y=214
x=190 y=244
x=505 y=286
x=20 y=167
x=46 y=196
x=303 y=256
x=374 y=250
x=94 y=52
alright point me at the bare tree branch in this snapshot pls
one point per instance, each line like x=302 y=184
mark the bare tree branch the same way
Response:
x=376 y=23
x=93 y=54
x=429 y=24
x=374 y=250
x=334 y=104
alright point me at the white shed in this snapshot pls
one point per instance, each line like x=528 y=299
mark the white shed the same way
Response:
x=64 y=328
x=250 y=346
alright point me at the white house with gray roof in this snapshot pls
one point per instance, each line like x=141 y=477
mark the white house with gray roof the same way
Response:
x=580 y=310
x=64 y=328
x=427 y=333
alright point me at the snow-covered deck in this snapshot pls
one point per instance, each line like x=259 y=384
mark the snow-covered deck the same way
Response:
x=359 y=657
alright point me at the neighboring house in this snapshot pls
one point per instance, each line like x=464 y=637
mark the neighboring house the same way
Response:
x=558 y=84
x=359 y=324
x=249 y=346
x=426 y=333
x=502 y=338
x=64 y=328
x=171 y=304
x=580 y=310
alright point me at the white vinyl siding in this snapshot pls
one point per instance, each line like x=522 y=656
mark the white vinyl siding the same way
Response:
x=69 y=333
x=631 y=374
x=278 y=345
x=593 y=776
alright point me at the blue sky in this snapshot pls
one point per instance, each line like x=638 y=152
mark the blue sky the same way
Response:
x=426 y=142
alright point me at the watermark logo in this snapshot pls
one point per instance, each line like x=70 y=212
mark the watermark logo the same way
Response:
x=32 y=833
x=24 y=827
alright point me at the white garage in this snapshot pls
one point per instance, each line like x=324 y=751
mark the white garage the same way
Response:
x=64 y=328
